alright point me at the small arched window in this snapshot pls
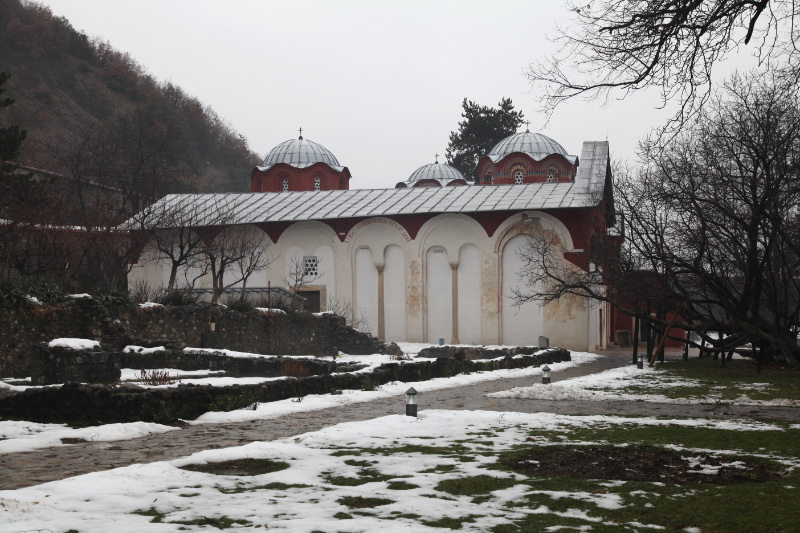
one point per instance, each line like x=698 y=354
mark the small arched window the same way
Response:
x=285 y=184
x=317 y=183
x=518 y=175
x=552 y=175
x=487 y=178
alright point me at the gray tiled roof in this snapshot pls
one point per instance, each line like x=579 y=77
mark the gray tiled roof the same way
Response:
x=247 y=208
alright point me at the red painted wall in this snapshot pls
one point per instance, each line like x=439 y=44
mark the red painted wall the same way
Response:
x=300 y=179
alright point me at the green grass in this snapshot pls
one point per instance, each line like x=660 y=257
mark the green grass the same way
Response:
x=401 y=485
x=476 y=479
x=269 y=486
x=450 y=523
x=365 y=475
x=785 y=442
x=359 y=502
x=471 y=486
x=737 y=378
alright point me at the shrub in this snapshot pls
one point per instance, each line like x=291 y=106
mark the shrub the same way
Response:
x=157 y=377
x=45 y=290
x=275 y=302
x=177 y=298
x=14 y=294
x=114 y=296
x=143 y=292
x=238 y=303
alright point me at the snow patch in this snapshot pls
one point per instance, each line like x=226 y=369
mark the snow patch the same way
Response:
x=74 y=344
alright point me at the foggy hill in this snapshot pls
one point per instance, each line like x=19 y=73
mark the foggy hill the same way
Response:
x=88 y=108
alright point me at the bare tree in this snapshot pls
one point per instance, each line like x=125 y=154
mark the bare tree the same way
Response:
x=233 y=256
x=623 y=46
x=344 y=309
x=299 y=275
x=180 y=244
x=710 y=221
x=253 y=255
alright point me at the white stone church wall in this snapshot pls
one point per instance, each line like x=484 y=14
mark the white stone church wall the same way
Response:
x=418 y=280
x=469 y=294
x=394 y=292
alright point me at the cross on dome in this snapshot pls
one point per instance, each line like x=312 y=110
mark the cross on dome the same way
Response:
x=301 y=133
x=437 y=159
x=527 y=124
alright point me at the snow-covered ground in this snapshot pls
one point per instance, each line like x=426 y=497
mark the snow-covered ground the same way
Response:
x=323 y=401
x=601 y=387
x=28 y=436
x=20 y=436
x=308 y=494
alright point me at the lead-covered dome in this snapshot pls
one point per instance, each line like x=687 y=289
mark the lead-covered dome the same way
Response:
x=536 y=145
x=440 y=172
x=300 y=153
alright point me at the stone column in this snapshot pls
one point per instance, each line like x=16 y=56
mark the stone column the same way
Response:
x=454 y=269
x=381 y=313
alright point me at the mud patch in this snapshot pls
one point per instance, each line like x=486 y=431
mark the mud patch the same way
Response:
x=641 y=463
x=239 y=467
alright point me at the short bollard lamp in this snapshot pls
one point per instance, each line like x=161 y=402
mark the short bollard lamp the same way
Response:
x=640 y=361
x=545 y=375
x=411 y=402
x=212 y=325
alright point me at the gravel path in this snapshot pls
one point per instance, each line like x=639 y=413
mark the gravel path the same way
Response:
x=24 y=469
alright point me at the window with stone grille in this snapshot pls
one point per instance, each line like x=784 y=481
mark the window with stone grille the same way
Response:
x=317 y=183
x=518 y=175
x=311 y=266
x=552 y=175
x=285 y=185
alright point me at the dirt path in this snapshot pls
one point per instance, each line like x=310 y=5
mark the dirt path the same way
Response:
x=24 y=469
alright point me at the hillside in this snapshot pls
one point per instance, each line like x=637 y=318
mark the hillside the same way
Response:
x=90 y=109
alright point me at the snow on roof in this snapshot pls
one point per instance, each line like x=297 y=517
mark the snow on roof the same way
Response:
x=259 y=207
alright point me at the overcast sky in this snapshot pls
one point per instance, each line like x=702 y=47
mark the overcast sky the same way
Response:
x=380 y=84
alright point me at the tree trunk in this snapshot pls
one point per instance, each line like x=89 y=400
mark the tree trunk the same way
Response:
x=173 y=273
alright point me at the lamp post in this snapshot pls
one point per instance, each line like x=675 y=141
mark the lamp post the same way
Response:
x=411 y=402
x=640 y=361
x=212 y=325
x=545 y=375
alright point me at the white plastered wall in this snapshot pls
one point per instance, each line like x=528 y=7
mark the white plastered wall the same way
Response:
x=564 y=322
x=307 y=239
x=394 y=293
x=377 y=245
x=451 y=234
x=418 y=283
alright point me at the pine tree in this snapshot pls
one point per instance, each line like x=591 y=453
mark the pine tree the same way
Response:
x=481 y=129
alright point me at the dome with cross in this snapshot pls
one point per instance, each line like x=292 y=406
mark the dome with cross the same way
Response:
x=300 y=153
x=434 y=175
x=535 y=145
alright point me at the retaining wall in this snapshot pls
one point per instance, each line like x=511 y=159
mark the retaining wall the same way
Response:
x=101 y=404
x=174 y=327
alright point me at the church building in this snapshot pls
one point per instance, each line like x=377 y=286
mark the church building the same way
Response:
x=433 y=258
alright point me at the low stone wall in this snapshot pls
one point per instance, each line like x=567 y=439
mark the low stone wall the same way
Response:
x=62 y=365
x=50 y=366
x=233 y=366
x=22 y=329
x=174 y=327
x=475 y=352
x=101 y=404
